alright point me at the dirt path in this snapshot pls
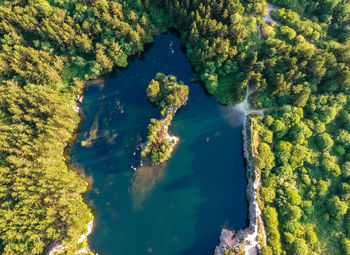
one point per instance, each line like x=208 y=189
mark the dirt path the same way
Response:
x=261 y=111
x=268 y=18
x=247 y=238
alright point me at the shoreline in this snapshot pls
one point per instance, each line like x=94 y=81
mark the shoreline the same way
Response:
x=56 y=247
x=174 y=140
x=246 y=240
x=166 y=122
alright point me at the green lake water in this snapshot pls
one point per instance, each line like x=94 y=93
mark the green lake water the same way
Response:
x=178 y=208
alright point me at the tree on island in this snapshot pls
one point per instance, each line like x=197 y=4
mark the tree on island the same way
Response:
x=168 y=94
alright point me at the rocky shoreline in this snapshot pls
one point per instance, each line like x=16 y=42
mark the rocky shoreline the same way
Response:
x=173 y=140
x=57 y=247
x=246 y=241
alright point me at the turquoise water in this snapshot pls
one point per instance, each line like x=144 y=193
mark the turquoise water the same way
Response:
x=178 y=208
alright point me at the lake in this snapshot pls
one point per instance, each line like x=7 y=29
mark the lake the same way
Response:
x=178 y=208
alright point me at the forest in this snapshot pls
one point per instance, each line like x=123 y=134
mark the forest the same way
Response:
x=303 y=149
x=50 y=47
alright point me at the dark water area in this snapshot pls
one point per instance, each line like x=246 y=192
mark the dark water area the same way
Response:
x=178 y=208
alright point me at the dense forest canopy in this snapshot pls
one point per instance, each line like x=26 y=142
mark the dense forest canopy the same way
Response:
x=333 y=14
x=303 y=150
x=300 y=69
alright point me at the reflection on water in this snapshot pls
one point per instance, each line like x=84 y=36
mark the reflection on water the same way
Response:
x=175 y=209
x=233 y=115
x=143 y=182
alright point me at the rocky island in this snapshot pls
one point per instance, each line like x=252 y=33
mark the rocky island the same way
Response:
x=169 y=95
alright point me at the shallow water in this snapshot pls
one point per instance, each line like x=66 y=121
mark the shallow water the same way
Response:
x=178 y=208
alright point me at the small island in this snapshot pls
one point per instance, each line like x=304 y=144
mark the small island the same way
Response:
x=169 y=95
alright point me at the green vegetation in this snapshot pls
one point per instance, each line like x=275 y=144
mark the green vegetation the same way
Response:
x=219 y=36
x=313 y=31
x=334 y=15
x=168 y=94
x=303 y=146
x=49 y=47
x=159 y=144
x=40 y=197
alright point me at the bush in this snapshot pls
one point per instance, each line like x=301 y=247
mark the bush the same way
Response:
x=311 y=237
x=300 y=247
